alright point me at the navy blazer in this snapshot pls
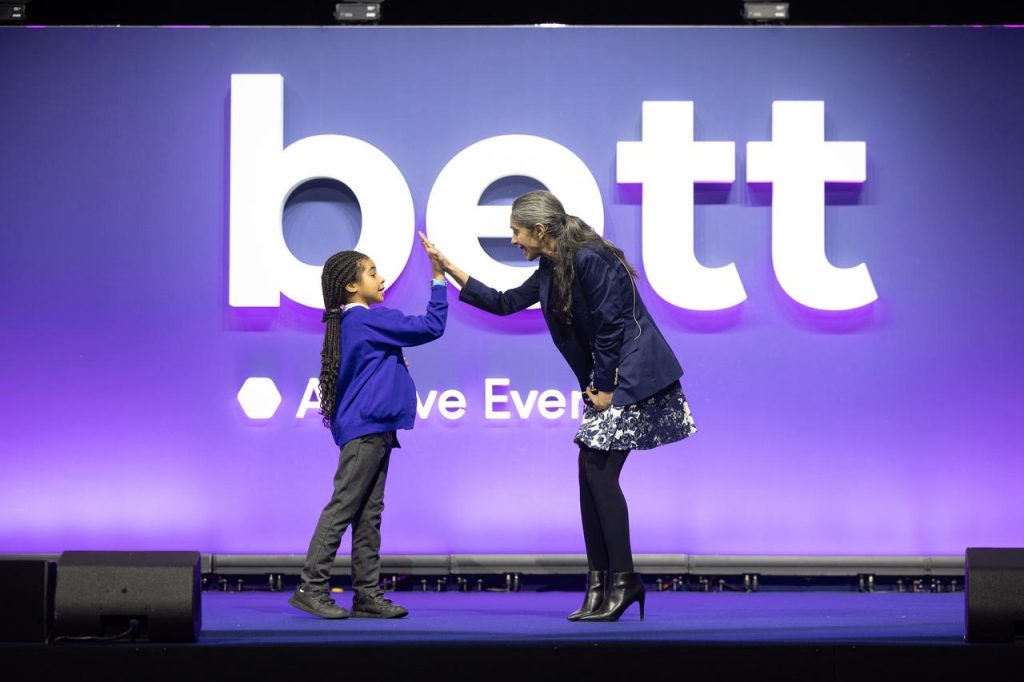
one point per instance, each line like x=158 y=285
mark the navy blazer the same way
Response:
x=611 y=334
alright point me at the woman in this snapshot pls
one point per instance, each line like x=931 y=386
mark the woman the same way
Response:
x=627 y=372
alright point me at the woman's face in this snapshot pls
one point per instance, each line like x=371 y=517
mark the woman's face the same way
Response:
x=368 y=287
x=527 y=241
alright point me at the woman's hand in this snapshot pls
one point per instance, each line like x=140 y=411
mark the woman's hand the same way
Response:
x=440 y=262
x=432 y=251
x=599 y=399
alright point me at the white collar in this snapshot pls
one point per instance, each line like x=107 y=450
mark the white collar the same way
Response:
x=349 y=306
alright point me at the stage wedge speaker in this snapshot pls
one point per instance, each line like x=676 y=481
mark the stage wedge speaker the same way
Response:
x=26 y=593
x=146 y=596
x=994 y=594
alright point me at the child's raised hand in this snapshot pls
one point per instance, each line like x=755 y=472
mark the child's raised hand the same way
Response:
x=437 y=259
x=428 y=245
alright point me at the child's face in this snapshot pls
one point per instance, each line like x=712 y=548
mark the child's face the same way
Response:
x=369 y=287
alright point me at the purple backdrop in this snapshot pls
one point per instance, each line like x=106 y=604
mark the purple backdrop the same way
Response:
x=893 y=429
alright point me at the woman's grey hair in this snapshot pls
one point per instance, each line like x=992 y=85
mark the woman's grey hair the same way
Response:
x=570 y=233
x=539 y=206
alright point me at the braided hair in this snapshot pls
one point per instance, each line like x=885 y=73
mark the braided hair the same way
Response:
x=570 y=233
x=340 y=269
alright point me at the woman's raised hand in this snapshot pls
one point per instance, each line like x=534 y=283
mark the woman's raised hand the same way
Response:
x=439 y=260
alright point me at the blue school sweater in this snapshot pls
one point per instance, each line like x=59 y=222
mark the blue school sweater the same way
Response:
x=375 y=391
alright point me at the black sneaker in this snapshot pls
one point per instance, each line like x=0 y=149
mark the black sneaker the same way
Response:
x=376 y=606
x=317 y=602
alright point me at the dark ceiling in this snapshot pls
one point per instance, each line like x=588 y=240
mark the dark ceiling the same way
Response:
x=482 y=12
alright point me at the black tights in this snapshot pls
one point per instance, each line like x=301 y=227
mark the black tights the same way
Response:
x=604 y=512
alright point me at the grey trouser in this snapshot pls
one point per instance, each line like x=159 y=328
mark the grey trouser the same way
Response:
x=358 y=499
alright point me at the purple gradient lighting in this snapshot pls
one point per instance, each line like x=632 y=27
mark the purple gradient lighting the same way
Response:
x=890 y=429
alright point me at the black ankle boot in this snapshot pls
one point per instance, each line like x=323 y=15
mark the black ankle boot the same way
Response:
x=597 y=584
x=625 y=589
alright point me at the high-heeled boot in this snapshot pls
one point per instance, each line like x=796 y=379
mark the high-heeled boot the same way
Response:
x=597 y=584
x=625 y=589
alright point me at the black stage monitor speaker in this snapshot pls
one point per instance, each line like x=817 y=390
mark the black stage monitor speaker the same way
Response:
x=994 y=594
x=26 y=593
x=147 y=596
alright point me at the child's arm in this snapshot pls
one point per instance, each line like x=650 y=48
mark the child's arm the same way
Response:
x=387 y=325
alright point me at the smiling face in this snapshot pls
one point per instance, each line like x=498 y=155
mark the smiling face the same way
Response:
x=528 y=241
x=368 y=287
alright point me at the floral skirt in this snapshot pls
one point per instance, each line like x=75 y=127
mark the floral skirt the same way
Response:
x=662 y=418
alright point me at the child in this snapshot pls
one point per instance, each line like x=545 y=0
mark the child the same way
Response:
x=366 y=393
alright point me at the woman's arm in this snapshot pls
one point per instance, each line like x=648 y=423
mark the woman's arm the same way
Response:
x=481 y=296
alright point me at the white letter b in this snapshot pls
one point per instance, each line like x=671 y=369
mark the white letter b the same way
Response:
x=263 y=176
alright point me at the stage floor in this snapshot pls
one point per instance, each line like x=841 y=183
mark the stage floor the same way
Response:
x=539 y=618
x=768 y=635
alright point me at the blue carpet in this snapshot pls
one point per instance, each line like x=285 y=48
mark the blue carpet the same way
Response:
x=812 y=617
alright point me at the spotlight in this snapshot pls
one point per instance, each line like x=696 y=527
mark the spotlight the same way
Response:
x=765 y=12
x=348 y=12
x=11 y=12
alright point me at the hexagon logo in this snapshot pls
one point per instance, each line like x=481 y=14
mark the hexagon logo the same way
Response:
x=259 y=398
